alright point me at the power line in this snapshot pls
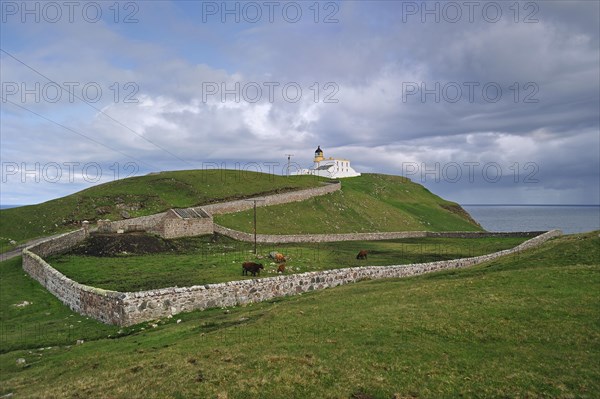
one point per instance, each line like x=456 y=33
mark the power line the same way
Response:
x=80 y=134
x=95 y=108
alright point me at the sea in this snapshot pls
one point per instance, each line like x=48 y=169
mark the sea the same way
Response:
x=568 y=218
x=9 y=206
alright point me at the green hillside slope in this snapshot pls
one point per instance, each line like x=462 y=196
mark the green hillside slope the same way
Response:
x=138 y=196
x=368 y=203
x=519 y=327
x=371 y=202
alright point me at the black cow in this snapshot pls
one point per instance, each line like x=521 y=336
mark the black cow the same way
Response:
x=251 y=267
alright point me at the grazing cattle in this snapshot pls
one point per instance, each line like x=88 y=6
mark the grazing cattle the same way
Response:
x=251 y=267
x=362 y=255
x=281 y=268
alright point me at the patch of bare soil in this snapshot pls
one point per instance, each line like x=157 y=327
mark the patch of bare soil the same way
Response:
x=119 y=244
x=458 y=210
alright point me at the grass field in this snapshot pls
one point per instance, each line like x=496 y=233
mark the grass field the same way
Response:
x=139 y=196
x=198 y=260
x=371 y=202
x=516 y=327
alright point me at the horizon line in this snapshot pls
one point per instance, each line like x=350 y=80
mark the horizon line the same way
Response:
x=530 y=204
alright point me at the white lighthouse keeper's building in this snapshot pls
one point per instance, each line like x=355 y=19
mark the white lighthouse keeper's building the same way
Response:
x=333 y=168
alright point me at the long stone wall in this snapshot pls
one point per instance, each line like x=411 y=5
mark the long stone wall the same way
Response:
x=58 y=244
x=293 y=238
x=298 y=238
x=135 y=307
x=105 y=306
x=268 y=200
x=150 y=305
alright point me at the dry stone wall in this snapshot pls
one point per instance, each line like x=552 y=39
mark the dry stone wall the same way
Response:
x=150 y=305
x=105 y=306
x=296 y=238
x=58 y=244
x=268 y=200
x=292 y=238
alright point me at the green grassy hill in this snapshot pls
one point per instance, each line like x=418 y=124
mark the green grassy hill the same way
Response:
x=367 y=203
x=371 y=202
x=523 y=326
x=139 y=196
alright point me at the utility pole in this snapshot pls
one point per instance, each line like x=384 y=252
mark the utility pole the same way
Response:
x=288 y=167
x=255 y=200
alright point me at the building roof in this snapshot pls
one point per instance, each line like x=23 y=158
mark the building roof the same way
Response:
x=189 y=213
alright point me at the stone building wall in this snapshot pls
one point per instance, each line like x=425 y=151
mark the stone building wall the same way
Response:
x=142 y=223
x=173 y=226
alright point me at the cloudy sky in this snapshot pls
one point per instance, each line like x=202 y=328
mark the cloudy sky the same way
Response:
x=482 y=102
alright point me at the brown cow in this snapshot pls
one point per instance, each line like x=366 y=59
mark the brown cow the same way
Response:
x=277 y=257
x=281 y=268
x=362 y=255
x=251 y=267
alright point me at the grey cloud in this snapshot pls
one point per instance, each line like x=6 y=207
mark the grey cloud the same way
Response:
x=370 y=53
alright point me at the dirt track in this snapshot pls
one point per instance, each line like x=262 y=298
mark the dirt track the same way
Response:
x=17 y=251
